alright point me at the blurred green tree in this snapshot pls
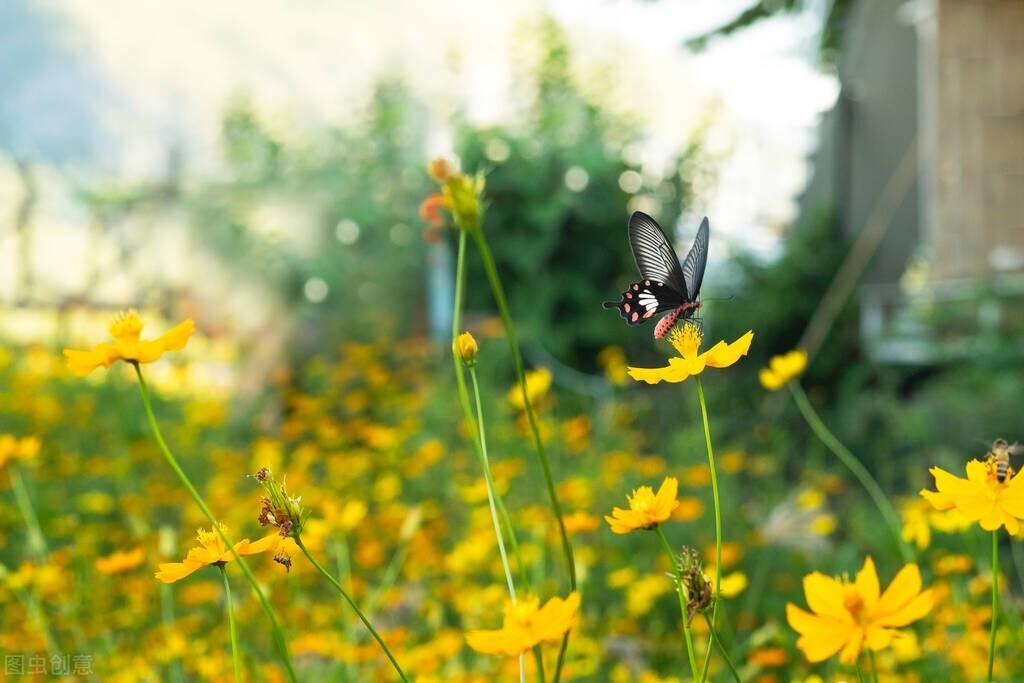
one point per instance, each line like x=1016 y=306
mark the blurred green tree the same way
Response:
x=560 y=196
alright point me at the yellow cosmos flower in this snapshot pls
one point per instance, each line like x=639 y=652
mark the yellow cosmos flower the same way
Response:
x=127 y=345
x=538 y=382
x=733 y=584
x=211 y=551
x=686 y=340
x=981 y=497
x=848 y=616
x=528 y=624
x=646 y=508
x=783 y=368
x=120 y=561
x=13 y=448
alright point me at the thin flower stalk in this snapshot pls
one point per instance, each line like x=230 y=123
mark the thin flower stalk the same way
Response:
x=235 y=660
x=167 y=619
x=394 y=568
x=995 y=604
x=517 y=363
x=355 y=607
x=467 y=409
x=35 y=614
x=492 y=495
x=718 y=523
x=855 y=467
x=538 y=658
x=278 y=637
x=683 y=601
x=36 y=539
x=721 y=649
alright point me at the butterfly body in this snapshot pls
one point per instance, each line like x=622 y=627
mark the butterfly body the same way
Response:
x=668 y=322
x=667 y=284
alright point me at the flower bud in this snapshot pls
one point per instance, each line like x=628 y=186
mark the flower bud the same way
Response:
x=466 y=348
x=440 y=169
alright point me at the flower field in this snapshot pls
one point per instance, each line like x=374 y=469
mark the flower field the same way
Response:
x=402 y=510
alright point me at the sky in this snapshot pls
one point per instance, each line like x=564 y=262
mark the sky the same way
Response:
x=103 y=94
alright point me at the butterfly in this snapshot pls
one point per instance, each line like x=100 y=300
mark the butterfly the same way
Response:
x=667 y=285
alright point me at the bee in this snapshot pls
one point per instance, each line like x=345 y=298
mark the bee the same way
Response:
x=999 y=454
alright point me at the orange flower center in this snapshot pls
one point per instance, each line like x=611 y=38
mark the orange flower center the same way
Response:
x=853 y=601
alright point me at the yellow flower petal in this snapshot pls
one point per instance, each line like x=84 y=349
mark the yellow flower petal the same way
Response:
x=878 y=638
x=820 y=637
x=665 y=500
x=1011 y=498
x=175 y=338
x=501 y=642
x=910 y=612
x=556 y=617
x=769 y=380
x=851 y=651
x=670 y=373
x=939 y=500
x=722 y=355
x=265 y=544
x=825 y=596
x=176 y=571
x=904 y=588
x=82 y=363
x=867 y=583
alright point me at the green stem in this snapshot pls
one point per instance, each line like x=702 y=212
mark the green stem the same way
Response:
x=517 y=363
x=538 y=657
x=683 y=600
x=36 y=540
x=352 y=603
x=492 y=491
x=390 y=576
x=995 y=604
x=38 y=615
x=235 y=660
x=278 y=637
x=167 y=616
x=460 y=285
x=854 y=465
x=721 y=648
x=343 y=562
x=874 y=666
x=718 y=522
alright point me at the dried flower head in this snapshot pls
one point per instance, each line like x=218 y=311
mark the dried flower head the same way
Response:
x=693 y=582
x=279 y=509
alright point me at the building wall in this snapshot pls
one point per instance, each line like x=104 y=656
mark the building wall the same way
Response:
x=976 y=188
x=868 y=133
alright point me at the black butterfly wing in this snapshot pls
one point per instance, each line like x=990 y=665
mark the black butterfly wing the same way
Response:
x=645 y=299
x=655 y=257
x=696 y=261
